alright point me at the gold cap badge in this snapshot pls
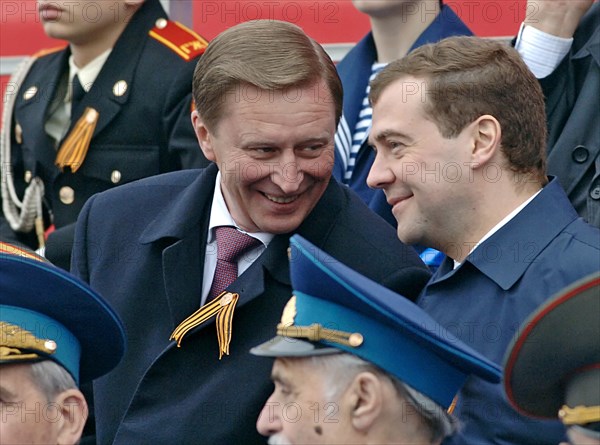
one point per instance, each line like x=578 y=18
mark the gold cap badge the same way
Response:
x=19 y=344
x=315 y=332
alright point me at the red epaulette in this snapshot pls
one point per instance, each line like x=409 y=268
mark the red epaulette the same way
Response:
x=46 y=51
x=185 y=42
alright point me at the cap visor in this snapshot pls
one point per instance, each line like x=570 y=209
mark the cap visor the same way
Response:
x=291 y=347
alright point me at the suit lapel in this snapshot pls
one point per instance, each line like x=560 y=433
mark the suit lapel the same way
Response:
x=179 y=234
x=37 y=108
x=183 y=263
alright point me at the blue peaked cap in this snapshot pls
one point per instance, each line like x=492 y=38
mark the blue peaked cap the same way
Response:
x=373 y=323
x=47 y=313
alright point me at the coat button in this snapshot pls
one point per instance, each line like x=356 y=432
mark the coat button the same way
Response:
x=66 y=195
x=115 y=177
x=120 y=88
x=28 y=176
x=30 y=93
x=580 y=154
x=595 y=193
x=18 y=134
x=161 y=23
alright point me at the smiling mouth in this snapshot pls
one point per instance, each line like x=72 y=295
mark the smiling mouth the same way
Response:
x=281 y=199
x=396 y=201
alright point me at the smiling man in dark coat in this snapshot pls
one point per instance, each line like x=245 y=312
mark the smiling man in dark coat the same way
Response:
x=268 y=100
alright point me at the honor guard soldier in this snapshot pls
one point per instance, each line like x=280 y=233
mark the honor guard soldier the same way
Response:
x=552 y=368
x=356 y=364
x=111 y=107
x=55 y=333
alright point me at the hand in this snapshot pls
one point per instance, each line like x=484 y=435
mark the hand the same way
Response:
x=556 y=17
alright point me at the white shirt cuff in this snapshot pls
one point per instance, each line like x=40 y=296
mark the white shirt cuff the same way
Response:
x=542 y=52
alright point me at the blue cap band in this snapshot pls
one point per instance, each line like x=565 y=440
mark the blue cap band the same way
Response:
x=387 y=347
x=68 y=349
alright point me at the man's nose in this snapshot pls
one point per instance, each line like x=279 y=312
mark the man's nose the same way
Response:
x=380 y=173
x=288 y=175
x=269 y=420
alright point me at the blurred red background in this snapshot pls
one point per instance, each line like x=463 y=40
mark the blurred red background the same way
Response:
x=334 y=23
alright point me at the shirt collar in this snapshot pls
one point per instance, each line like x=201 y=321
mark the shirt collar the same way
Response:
x=88 y=74
x=507 y=254
x=503 y=222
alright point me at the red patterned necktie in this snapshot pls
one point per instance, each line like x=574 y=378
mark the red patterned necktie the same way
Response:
x=231 y=243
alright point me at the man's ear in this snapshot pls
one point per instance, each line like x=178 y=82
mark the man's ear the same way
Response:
x=74 y=413
x=203 y=135
x=487 y=136
x=366 y=400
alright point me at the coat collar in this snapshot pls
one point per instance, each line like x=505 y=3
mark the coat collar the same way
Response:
x=592 y=46
x=587 y=36
x=446 y=24
x=178 y=231
x=507 y=254
x=184 y=215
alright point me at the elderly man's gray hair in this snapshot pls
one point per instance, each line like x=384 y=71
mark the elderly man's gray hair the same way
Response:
x=51 y=378
x=340 y=369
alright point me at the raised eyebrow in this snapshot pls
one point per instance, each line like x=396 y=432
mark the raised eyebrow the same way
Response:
x=251 y=145
x=318 y=140
x=379 y=137
x=388 y=133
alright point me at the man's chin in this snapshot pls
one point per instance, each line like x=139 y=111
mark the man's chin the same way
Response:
x=405 y=237
x=282 y=224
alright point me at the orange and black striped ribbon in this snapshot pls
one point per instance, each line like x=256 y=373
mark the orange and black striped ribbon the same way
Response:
x=222 y=307
x=75 y=147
